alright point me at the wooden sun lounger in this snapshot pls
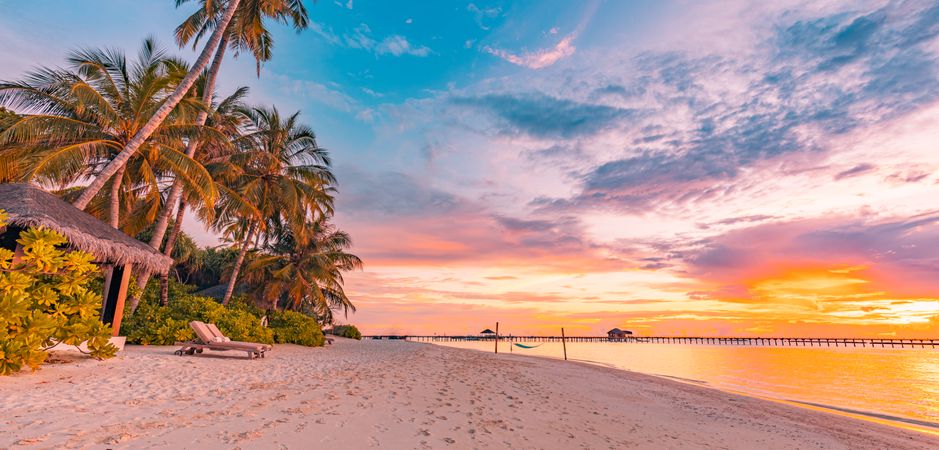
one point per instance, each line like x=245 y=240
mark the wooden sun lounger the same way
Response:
x=215 y=340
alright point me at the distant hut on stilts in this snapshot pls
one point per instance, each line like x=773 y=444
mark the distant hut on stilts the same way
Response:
x=618 y=335
x=487 y=334
x=114 y=251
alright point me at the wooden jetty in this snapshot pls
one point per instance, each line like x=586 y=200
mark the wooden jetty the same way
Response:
x=731 y=341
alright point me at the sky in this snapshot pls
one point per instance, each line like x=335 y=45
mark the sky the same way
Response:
x=679 y=168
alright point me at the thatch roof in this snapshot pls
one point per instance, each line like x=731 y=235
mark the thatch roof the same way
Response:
x=30 y=206
x=487 y=331
x=618 y=331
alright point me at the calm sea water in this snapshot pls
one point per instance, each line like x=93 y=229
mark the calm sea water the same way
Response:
x=897 y=384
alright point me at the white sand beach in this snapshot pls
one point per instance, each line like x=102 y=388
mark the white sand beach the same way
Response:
x=395 y=394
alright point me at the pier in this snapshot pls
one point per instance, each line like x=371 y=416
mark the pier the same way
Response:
x=729 y=341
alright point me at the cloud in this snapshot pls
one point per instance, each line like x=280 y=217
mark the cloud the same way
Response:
x=857 y=170
x=544 y=116
x=398 y=45
x=481 y=14
x=434 y=227
x=537 y=59
x=392 y=194
x=892 y=257
x=705 y=120
x=910 y=176
x=331 y=96
x=361 y=38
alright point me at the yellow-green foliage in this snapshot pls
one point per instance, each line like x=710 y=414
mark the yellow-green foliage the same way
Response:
x=347 y=331
x=45 y=301
x=165 y=325
x=295 y=328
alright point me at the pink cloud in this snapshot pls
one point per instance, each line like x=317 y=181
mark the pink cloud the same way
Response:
x=537 y=59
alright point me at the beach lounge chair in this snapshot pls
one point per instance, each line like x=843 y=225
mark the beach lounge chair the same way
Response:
x=210 y=337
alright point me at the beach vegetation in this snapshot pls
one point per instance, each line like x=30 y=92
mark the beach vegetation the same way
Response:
x=284 y=177
x=303 y=271
x=291 y=327
x=346 y=331
x=236 y=23
x=78 y=119
x=45 y=301
x=154 y=129
x=154 y=324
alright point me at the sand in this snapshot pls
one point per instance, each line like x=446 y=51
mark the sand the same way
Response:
x=395 y=394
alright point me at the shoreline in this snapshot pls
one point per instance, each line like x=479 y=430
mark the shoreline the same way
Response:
x=904 y=423
x=360 y=394
x=885 y=418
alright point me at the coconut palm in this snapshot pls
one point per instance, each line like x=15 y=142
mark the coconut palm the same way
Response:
x=77 y=120
x=11 y=168
x=304 y=273
x=245 y=32
x=225 y=119
x=283 y=174
x=166 y=107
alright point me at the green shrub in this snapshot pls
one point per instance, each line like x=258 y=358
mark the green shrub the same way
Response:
x=347 y=331
x=45 y=301
x=165 y=325
x=295 y=328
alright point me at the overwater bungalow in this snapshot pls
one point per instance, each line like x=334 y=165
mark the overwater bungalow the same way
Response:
x=115 y=252
x=487 y=333
x=616 y=333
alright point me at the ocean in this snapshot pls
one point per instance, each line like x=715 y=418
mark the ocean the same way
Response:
x=900 y=386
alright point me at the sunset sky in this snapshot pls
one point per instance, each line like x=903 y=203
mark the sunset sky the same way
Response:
x=673 y=168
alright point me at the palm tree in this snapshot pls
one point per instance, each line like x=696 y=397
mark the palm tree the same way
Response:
x=304 y=273
x=225 y=119
x=77 y=120
x=284 y=175
x=246 y=32
x=10 y=167
x=166 y=107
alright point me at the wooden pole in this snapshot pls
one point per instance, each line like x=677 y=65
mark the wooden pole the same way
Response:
x=115 y=292
x=564 y=343
x=497 y=337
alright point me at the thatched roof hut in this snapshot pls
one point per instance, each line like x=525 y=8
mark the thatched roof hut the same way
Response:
x=617 y=333
x=30 y=206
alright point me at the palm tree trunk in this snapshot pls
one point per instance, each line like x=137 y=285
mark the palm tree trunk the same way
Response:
x=114 y=207
x=154 y=122
x=176 y=191
x=168 y=250
x=238 y=262
x=165 y=289
x=177 y=228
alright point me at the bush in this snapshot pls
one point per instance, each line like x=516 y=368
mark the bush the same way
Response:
x=346 y=331
x=296 y=328
x=159 y=325
x=45 y=301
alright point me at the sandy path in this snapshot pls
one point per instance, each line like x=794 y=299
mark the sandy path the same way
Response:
x=397 y=395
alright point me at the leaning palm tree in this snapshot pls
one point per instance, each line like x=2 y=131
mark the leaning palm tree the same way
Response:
x=77 y=120
x=167 y=106
x=225 y=119
x=246 y=32
x=284 y=175
x=304 y=273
